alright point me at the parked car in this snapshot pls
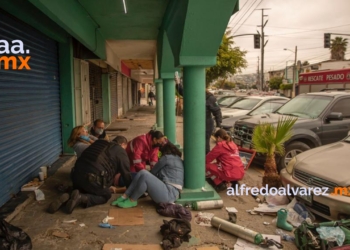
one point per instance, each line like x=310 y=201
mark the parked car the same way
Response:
x=265 y=108
x=324 y=167
x=247 y=104
x=228 y=100
x=220 y=93
x=323 y=118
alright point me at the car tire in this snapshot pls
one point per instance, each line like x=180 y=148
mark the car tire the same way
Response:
x=291 y=150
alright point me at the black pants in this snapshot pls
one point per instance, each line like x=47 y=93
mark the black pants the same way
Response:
x=209 y=127
x=95 y=193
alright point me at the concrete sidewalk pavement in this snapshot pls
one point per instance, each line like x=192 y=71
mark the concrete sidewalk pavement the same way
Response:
x=40 y=225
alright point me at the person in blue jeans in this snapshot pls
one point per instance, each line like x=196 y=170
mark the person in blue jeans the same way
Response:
x=163 y=183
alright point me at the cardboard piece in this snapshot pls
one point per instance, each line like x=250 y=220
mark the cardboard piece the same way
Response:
x=245 y=245
x=126 y=216
x=131 y=247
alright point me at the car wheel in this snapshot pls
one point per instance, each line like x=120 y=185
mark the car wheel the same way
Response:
x=292 y=150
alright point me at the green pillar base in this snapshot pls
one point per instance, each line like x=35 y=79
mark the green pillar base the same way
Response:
x=188 y=196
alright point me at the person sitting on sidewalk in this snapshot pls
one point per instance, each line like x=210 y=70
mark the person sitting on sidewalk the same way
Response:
x=79 y=140
x=163 y=183
x=93 y=175
x=98 y=130
x=143 y=149
x=228 y=167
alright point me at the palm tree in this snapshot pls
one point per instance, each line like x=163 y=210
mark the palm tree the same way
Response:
x=269 y=139
x=338 y=48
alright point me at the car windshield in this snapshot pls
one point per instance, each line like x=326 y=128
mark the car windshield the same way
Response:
x=267 y=107
x=227 y=100
x=246 y=104
x=305 y=106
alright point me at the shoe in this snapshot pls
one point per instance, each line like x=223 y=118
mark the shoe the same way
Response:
x=127 y=204
x=118 y=200
x=282 y=220
x=57 y=204
x=75 y=200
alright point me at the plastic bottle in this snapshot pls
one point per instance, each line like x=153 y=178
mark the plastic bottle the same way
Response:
x=284 y=236
x=202 y=205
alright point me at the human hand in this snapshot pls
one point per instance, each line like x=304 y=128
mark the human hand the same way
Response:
x=113 y=189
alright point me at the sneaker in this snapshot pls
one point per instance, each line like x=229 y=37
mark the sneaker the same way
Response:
x=127 y=203
x=118 y=200
x=75 y=200
x=57 y=204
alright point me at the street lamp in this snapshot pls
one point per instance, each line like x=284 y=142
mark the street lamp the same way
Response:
x=294 y=67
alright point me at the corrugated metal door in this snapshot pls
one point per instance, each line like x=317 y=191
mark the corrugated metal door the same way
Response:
x=30 y=134
x=95 y=76
x=120 y=94
x=114 y=104
x=125 y=95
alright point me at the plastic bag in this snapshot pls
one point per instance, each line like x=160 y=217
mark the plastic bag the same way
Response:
x=277 y=200
x=14 y=238
x=39 y=195
x=332 y=234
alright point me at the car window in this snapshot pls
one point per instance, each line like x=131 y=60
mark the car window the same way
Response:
x=246 y=104
x=342 y=106
x=227 y=100
x=305 y=106
x=267 y=107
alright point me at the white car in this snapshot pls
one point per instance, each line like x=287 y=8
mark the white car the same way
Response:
x=247 y=104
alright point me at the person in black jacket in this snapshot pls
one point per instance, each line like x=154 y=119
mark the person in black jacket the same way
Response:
x=212 y=109
x=93 y=175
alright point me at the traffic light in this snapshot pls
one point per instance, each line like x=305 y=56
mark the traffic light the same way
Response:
x=327 y=40
x=257 y=41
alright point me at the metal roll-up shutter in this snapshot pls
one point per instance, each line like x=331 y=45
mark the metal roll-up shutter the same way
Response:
x=120 y=94
x=95 y=76
x=30 y=134
x=114 y=104
x=125 y=94
x=129 y=93
x=133 y=91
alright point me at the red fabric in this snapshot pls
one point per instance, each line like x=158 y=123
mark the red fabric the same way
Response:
x=142 y=151
x=228 y=166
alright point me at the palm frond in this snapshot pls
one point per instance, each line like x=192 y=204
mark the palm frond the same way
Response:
x=269 y=139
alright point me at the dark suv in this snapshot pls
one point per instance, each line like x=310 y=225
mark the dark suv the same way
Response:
x=323 y=118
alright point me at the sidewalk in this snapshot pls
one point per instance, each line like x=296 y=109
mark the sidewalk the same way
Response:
x=40 y=225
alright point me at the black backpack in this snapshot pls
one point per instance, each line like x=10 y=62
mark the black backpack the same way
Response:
x=175 y=232
x=13 y=238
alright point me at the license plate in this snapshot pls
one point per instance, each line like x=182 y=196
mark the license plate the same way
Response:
x=306 y=198
x=237 y=142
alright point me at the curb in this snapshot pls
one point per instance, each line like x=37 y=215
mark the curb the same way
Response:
x=31 y=196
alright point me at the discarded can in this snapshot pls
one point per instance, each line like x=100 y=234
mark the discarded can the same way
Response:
x=241 y=232
x=202 y=205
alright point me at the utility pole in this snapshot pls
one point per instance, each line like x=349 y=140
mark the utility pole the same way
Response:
x=258 y=77
x=294 y=69
x=263 y=44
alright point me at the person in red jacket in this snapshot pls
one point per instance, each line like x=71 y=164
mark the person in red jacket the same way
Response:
x=228 y=167
x=144 y=148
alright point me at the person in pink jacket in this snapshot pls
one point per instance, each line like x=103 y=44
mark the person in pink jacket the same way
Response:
x=228 y=166
x=144 y=149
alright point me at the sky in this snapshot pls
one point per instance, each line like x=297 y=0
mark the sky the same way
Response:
x=291 y=23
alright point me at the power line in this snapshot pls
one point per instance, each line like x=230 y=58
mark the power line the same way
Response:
x=313 y=30
x=248 y=16
x=244 y=14
x=238 y=12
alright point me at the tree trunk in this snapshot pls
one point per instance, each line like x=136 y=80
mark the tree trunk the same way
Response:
x=271 y=177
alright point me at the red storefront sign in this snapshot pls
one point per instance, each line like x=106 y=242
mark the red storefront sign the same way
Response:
x=329 y=76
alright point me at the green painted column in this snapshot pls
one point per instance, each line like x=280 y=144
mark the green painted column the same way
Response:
x=106 y=97
x=194 y=126
x=159 y=103
x=65 y=54
x=169 y=109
